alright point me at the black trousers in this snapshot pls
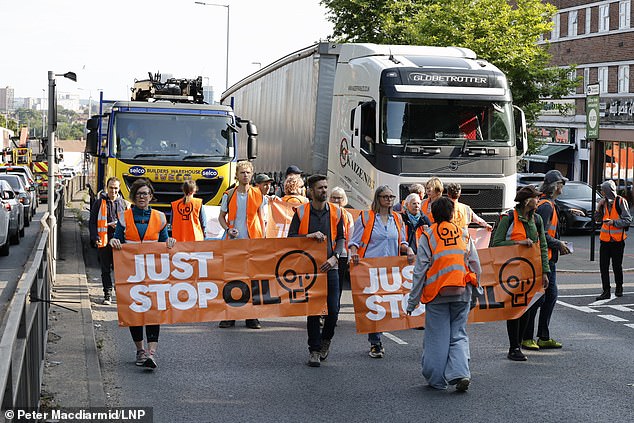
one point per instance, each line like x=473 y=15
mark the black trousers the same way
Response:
x=151 y=333
x=105 y=260
x=611 y=251
x=516 y=328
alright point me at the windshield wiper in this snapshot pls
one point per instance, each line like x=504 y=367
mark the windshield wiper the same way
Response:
x=198 y=156
x=155 y=155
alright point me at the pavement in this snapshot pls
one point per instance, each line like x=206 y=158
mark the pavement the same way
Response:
x=73 y=373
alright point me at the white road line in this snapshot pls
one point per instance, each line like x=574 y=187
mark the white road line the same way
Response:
x=585 y=309
x=612 y=318
x=569 y=296
x=601 y=302
x=630 y=325
x=394 y=338
x=620 y=308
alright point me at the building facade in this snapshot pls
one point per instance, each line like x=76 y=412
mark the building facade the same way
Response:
x=597 y=37
x=6 y=99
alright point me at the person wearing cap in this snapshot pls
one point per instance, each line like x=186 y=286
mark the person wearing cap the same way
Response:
x=263 y=182
x=293 y=170
x=522 y=226
x=614 y=214
x=551 y=188
x=463 y=215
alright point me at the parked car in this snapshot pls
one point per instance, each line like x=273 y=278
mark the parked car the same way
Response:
x=31 y=189
x=575 y=207
x=23 y=196
x=31 y=179
x=5 y=222
x=534 y=179
x=10 y=201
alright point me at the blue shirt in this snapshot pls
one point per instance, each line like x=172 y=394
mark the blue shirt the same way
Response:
x=384 y=238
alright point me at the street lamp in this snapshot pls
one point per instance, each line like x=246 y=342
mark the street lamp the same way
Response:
x=202 y=3
x=52 y=126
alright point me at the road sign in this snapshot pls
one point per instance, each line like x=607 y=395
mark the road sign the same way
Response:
x=592 y=112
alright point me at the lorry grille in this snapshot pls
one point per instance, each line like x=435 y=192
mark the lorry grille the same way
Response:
x=481 y=198
x=166 y=192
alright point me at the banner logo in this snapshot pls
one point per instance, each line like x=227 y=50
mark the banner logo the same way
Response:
x=516 y=286
x=297 y=284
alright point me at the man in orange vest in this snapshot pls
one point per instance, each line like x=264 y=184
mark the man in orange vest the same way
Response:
x=102 y=223
x=241 y=217
x=552 y=188
x=321 y=221
x=614 y=214
x=445 y=279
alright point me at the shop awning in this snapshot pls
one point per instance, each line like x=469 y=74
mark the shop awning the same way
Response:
x=546 y=151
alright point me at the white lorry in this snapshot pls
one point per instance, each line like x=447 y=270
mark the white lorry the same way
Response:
x=369 y=115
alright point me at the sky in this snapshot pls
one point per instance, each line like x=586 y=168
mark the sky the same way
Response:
x=109 y=44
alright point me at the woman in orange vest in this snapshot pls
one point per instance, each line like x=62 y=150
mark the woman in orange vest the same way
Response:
x=294 y=190
x=141 y=224
x=522 y=226
x=188 y=215
x=379 y=232
x=614 y=214
x=445 y=279
x=433 y=189
x=339 y=197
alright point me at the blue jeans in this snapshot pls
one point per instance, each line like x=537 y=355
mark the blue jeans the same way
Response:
x=315 y=334
x=446 y=347
x=547 y=305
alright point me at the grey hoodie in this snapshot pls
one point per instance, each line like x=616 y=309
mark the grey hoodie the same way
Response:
x=609 y=191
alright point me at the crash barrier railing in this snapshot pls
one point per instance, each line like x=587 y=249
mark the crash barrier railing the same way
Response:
x=25 y=331
x=74 y=185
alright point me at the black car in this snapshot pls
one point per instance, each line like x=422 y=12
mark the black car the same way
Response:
x=575 y=207
x=534 y=179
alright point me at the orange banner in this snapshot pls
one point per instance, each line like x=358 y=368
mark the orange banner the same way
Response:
x=219 y=280
x=280 y=215
x=511 y=278
x=480 y=237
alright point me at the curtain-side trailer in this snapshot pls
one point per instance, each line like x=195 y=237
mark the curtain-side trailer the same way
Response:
x=369 y=115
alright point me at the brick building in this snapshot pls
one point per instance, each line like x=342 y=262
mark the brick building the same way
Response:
x=598 y=37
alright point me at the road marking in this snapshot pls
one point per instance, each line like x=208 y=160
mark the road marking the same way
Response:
x=394 y=338
x=630 y=325
x=601 y=302
x=620 y=308
x=612 y=318
x=585 y=309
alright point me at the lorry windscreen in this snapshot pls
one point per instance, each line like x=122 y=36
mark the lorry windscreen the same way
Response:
x=437 y=122
x=157 y=137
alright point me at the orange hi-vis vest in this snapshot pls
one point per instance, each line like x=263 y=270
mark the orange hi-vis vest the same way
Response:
x=448 y=245
x=295 y=200
x=186 y=220
x=367 y=220
x=610 y=233
x=425 y=208
x=552 y=225
x=102 y=224
x=255 y=224
x=303 y=214
x=516 y=231
x=347 y=221
x=156 y=223
x=460 y=215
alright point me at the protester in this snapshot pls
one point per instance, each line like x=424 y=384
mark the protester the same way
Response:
x=142 y=224
x=415 y=221
x=463 y=215
x=413 y=189
x=614 y=214
x=379 y=232
x=188 y=215
x=434 y=190
x=321 y=221
x=446 y=272
x=241 y=216
x=102 y=223
x=293 y=170
x=522 y=226
x=551 y=188
x=263 y=182
x=339 y=197
x=294 y=190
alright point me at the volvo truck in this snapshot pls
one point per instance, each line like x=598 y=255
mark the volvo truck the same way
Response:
x=369 y=115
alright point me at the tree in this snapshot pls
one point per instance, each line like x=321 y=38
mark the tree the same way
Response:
x=504 y=35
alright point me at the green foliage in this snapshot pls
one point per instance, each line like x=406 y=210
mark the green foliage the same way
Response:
x=499 y=33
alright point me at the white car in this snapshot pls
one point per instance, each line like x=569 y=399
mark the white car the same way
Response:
x=10 y=201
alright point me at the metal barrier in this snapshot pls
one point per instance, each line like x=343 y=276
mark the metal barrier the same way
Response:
x=25 y=335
